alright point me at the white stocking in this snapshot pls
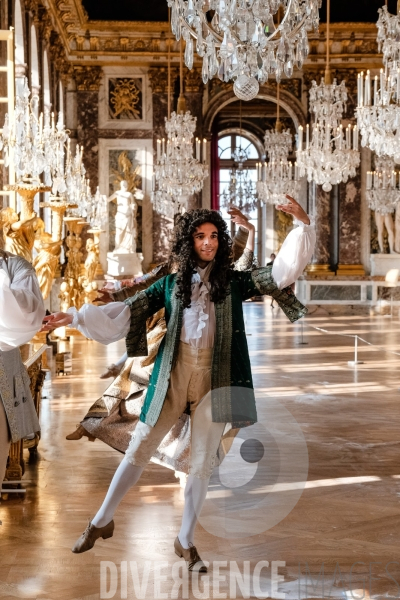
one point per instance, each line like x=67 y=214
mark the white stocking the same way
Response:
x=124 y=478
x=122 y=360
x=195 y=494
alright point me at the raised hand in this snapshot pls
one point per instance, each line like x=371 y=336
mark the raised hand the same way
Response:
x=58 y=319
x=294 y=208
x=238 y=217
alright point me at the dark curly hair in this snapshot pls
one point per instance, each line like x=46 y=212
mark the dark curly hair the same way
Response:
x=184 y=258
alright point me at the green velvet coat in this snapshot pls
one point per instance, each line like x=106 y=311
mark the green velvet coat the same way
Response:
x=232 y=392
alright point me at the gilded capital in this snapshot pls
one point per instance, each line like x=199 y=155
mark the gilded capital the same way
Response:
x=159 y=79
x=88 y=79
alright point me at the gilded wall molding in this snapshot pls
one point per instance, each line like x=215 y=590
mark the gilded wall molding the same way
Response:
x=88 y=79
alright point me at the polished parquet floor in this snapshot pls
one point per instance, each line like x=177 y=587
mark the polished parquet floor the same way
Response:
x=345 y=528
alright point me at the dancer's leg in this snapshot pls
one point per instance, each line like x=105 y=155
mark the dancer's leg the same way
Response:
x=124 y=478
x=122 y=360
x=195 y=494
x=4 y=442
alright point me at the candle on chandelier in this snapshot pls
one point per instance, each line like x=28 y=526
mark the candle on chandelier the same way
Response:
x=204 y=150
x=300 y=139
x=369 y=180
x=153 y=183
x=348 y=138
x=382 y=82
x=307 y=137
x=163 y=146
x=41 y=126
x=376 y=90
x=375 y=180
x=53 y=125
x=316 y=136
x=264 y=172
x=158 y=150
x=198 y=149
x=355 y=137
x=290 y=171
x=393 y=179
x=360 y=83
x=398 y=86
x=296 y=171
x=367 y=100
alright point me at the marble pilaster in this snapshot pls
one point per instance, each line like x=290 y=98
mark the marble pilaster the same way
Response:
x=320 y=209
x=350 y=226
x=88 y=81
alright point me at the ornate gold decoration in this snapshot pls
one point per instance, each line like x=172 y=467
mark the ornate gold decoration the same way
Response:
x=126 y=172
x=88 y=79
x=283 y=225
x=159 y=79
x=92 y=262
x=19 y=236
x=124 y=99
x=193 y=81
x=46 y=262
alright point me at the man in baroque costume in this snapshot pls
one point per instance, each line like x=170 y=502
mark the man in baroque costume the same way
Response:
x=201 y=358
x=21 y=314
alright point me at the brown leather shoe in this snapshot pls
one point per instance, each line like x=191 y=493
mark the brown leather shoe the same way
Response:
x=90 y=535
x=79 y=433
x=191 y=556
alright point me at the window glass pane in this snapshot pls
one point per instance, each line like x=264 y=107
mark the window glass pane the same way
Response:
x=248 y=146
x=224 y=147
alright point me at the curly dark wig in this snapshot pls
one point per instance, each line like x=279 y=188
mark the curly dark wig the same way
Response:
x=185 y=261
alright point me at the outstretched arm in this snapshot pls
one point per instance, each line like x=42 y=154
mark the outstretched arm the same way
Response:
x=298 y=247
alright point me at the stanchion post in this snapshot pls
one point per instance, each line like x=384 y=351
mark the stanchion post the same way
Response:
x=302 y=342
x=355 y=362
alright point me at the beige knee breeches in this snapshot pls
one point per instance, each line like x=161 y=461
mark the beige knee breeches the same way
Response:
x=4 y=442
x=190 y=382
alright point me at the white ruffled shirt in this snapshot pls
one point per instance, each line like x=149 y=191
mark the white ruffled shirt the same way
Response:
x=21 y=309
x=109 y=323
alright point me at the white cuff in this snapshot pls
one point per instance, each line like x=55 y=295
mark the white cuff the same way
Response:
x=75 y=320
x=304 y=226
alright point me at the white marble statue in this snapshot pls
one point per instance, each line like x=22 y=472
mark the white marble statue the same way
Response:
x=125 y=220
x=382 y=221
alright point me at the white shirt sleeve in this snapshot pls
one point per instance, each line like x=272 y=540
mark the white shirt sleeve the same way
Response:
x=294 y=255
x=105 y=324
x=21 y=309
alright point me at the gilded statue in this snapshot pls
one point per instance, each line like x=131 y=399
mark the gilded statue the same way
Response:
x=93 y=259
x=46 y=261
x=65 y=296
x=19 y=236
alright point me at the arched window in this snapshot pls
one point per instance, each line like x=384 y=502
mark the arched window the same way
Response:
x=238 y=155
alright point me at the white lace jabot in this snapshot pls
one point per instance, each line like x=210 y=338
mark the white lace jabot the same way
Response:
x=198 y=323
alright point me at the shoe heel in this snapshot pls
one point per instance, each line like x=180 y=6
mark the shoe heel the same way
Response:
x=107 y=535
x=178 y=554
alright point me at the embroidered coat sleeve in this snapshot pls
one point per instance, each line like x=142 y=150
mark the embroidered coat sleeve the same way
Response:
x=142 y=306
x=260 y=282
x=246 y=262
x=141 y=283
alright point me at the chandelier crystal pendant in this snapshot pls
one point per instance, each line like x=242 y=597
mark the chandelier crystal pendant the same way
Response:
x=383 y=186
x=238 y=39
x=330 y=154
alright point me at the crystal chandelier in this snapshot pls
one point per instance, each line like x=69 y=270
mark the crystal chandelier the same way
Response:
x=330 y=155
x=378 y=110
x=35 y=145
x=383 y=192
x=241 y=190
x=177 y=173
x=378 y=113
x=238 y=39
x=276 y=178
x=180 y=169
